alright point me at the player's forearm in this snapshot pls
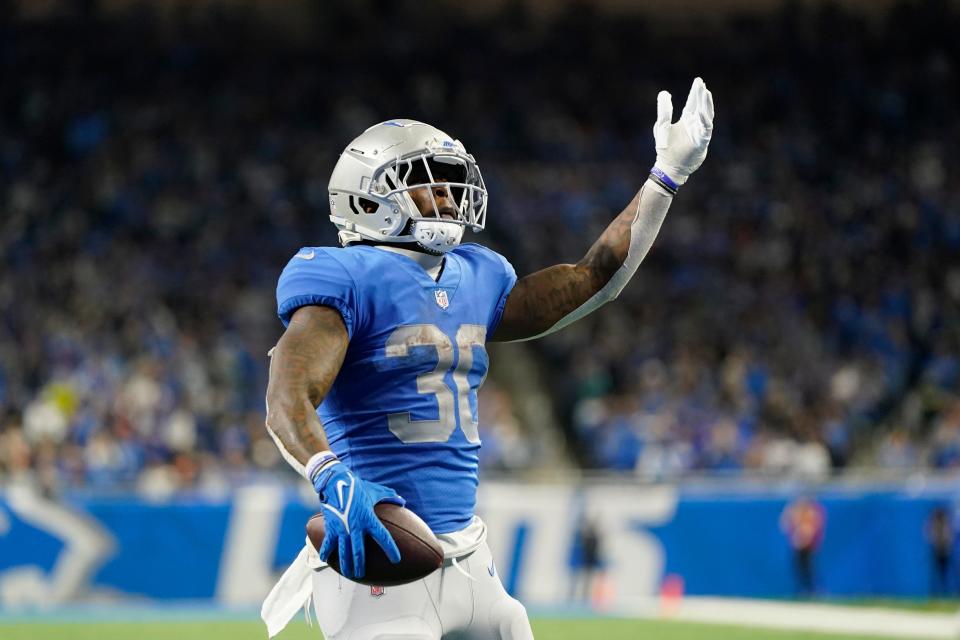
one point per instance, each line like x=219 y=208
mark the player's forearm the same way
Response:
x=553 y=298
x=303 y=366
x=295 y=427
x=626 y=240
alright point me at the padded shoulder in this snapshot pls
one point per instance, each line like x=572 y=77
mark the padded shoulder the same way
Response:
x=491 y=265
x=317 y=275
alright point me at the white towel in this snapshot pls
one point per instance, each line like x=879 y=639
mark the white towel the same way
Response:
x=291 y=593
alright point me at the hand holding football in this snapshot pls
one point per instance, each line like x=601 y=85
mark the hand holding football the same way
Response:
x=420 y=552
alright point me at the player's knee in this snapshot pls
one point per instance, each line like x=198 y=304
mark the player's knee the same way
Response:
x=400 y=629
x=509 y=618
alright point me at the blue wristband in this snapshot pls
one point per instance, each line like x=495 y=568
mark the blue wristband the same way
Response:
x=664 y=180
x=317 y=464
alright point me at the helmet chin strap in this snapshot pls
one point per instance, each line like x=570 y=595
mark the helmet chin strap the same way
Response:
x=436 y=236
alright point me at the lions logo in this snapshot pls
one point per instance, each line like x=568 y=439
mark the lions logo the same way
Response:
x=85 y=547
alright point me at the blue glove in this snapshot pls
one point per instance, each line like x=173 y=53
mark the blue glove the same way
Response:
x=348 y=516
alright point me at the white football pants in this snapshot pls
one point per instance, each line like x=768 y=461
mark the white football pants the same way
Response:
x=447 y=603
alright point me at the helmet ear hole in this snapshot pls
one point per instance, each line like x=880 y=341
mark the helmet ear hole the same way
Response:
x=368 y=206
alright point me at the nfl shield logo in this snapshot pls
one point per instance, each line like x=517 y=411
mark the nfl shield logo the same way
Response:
x=376 y=592
x=442 y=299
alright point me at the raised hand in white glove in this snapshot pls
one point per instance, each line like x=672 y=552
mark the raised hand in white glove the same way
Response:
x=682 y=146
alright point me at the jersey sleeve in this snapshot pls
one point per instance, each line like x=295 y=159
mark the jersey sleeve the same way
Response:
x=508 y=278
x=314 y=277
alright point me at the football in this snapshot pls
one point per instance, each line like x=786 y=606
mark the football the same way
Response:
x=420 y=552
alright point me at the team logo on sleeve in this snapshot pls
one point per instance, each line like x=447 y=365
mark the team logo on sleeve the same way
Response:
x=442 y=298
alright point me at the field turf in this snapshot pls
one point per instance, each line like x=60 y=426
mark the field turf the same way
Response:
x=544 y=629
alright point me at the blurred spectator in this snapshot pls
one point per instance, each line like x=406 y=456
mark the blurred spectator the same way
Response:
x=505 y=445
x=799 y=312
x=939 y=534
x=587 y=561
x=804 y=523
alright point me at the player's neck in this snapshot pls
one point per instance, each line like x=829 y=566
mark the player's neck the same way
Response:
x=430 y=263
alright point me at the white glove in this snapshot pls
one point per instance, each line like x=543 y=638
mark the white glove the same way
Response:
x=682 y=147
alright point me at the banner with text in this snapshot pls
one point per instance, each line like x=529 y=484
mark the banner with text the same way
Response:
x=552 y=543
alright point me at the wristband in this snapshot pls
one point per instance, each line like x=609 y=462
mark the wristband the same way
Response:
x=317 y=463
x=657 y=175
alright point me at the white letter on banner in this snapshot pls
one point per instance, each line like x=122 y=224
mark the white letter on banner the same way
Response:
x=543 y=570
x=246 y=571
x=86 y=546
x=635 y=559
x=550 y=513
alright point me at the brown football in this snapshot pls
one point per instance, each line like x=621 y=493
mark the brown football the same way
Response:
x=420 y=552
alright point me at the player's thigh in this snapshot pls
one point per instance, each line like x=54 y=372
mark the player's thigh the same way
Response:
x=496 y=613
x=508 y=618
x=347 y=610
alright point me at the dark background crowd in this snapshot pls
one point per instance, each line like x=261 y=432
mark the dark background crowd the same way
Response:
x=797 y=315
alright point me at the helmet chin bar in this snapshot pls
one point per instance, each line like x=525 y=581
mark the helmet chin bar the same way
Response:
x=431 y=236
x=437 y=236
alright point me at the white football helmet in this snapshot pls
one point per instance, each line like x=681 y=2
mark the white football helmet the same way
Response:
x=371 y=184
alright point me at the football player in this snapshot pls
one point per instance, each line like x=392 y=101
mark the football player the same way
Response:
x=373 y=385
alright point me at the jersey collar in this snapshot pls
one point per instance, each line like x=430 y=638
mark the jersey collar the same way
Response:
x=430 y=263
x=412 y=264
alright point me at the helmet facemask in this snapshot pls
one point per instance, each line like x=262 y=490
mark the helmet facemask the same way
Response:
x=452 y=173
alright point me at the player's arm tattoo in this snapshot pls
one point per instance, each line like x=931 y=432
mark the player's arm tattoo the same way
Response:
x=546 y=300
x=303 y=366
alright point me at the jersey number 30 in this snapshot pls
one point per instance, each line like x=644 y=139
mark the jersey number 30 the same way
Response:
x=429 y=335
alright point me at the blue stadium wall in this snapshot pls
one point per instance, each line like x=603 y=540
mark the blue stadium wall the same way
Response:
x=232 y=548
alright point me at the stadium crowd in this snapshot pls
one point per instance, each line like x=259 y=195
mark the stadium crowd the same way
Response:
x=799 y=312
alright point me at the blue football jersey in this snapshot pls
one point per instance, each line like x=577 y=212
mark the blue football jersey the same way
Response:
x=403 y=409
